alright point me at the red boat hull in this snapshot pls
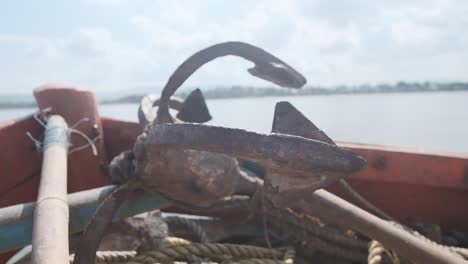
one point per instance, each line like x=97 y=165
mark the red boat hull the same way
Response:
x=408 y=185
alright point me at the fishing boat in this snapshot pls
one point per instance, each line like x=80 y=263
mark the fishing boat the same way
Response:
x=408 y=186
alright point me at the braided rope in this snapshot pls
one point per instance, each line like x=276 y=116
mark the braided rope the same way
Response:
x=215 y=252
x=111 y=256
x=285 y=216
x=376 y=254
x=175 y=241
x=321 y=233
x=183 y=250
x=317 y=237
x=257 y=261
x=289 y=256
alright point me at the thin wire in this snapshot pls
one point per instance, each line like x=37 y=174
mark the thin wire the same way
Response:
x=37 y=143
x=91 y=143
x=365 y=202
x=85 y=119
x=41 y=111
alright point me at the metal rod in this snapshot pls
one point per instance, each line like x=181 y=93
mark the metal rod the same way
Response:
x=50 y=230
x=331 y=208
x=16 y=221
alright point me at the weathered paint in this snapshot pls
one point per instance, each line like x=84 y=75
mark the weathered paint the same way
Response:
x=21 y=164
x=85 y=170
x=412 y=185
x=403 y=182
x=413 y=167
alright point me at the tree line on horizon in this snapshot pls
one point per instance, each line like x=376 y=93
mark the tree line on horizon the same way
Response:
x=237 y=91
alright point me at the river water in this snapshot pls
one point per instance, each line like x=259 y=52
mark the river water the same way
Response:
x=425 y=121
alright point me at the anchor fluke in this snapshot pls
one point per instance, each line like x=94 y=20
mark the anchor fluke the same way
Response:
x=289 y=120
x=194 y=109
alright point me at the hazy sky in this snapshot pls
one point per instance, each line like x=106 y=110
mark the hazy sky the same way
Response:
x=117 y=44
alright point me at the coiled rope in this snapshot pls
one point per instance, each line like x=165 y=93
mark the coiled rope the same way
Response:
x=339 y=244
x=376 y=250
x=309 y=235
x=286 y=217
x=376 y=254
x=176 y=249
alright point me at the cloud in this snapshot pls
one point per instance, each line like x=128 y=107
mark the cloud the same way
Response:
x=90 y=57
x=345 y=42
x=106 y=3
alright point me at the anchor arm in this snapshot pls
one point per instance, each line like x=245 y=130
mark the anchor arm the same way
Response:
x=267 y=67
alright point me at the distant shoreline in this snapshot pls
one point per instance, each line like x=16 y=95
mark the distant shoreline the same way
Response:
x=137 y=98
x=236 y=92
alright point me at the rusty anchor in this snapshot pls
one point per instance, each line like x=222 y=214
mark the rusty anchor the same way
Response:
x=194 y=164
x=292 y=177
x=334 y=209
x=199 y=179
x=267 y=67
x=200 y=176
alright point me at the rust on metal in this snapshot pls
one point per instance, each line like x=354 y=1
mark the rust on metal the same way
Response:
x=315 y=162
x=195 y=165
x=194 y=108
x=267 y=67
x=333 y=209
x=89 y=243
x=196 y=176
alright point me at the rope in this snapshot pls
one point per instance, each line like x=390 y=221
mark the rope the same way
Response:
x=286 y=217
x=376 y=254
x=319 y=234
x=257 y=261
x=192 y=226
x=175 y=241
x=289 y=256
x=111 y=256
x=376 y=250
x=215 y=252
x=177 y=249
x=309 y=235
